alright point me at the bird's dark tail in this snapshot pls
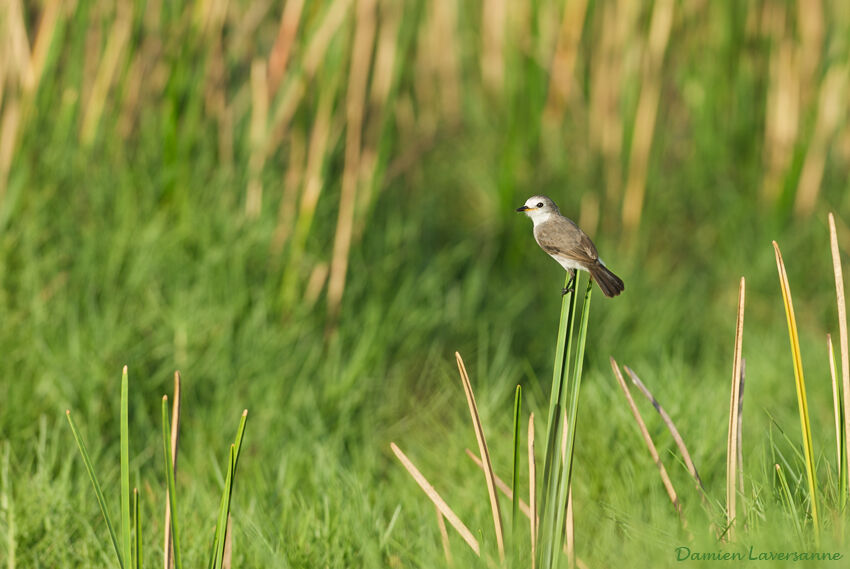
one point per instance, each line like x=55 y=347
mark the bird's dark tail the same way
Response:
x=610 y=284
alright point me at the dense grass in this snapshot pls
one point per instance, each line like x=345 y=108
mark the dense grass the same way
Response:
x=127 y=236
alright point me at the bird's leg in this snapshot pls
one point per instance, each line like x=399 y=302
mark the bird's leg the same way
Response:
x=571 y=284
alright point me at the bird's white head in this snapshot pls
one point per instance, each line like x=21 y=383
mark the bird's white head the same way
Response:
x=539 y=208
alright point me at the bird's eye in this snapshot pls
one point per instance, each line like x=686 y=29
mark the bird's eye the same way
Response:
x=539 y=204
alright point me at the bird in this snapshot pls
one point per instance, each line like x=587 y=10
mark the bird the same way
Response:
x=562 y=239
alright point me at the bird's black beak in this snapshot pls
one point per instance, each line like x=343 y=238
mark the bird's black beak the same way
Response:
x=523 y=208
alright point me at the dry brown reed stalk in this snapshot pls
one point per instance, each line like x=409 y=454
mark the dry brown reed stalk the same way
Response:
x=292 y=181
x=500 y=484
x=485 y=454
x=43 y=39
x=386 y=49
x=315 y=49
x=740 y=444
x=588 y=216
x=257 y=138
x=107 y=69
x=561 y=78
x=15 y=44
x=228 y=544
x=383 y=77
x=280 y=52
x=315 y=284
x=317 y=46
x=323 y=131
x=441 y=505
x=168 y=548
x=493 y=14
x=8 y=135
x=425 y=85
x=842 y=328
x=810 y=43
x=732 y=441
x=364 y=39
x=607 y=76
x=444 y=537
x=647 y=109
x=671 y=426
x=832 y=106
x=439 y=58
x=532 y=490
x=209 y=15
x=782 y=115
x=665 y=479
x=21 y=73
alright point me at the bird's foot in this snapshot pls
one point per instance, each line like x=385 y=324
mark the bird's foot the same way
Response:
x=571 y=285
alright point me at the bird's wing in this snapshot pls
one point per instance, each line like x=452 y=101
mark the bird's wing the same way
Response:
x=560 y=236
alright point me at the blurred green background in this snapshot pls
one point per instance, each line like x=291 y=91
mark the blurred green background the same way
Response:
x=307 y=206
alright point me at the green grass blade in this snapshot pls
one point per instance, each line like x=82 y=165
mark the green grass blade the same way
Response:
x=515 y=477
x=562 y=356
x=98 y=492
x=570 y=424
x=126 y=538
x=137 y=530
x=789 y=501
x=554 y=429
x=213 y=547
x=532 y=491
x=240 y=432
x=169 y=478
x=219 y=538
x=578 y=367
x=800 y=383
x=224 y=510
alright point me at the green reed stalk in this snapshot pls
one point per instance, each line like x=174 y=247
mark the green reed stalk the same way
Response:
x=563 y=409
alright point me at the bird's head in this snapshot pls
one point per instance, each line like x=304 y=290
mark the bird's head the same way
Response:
x=538 y=207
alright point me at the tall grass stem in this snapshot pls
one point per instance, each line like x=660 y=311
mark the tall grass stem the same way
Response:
x=169 y=478
x=126 y=529
x=485 y=456
x=842 y=336
x=732 y=440
x=800 y=383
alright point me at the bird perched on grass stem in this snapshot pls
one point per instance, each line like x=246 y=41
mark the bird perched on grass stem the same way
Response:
x=570 y=246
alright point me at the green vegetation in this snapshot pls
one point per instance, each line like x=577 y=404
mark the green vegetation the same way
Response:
x=307 y=208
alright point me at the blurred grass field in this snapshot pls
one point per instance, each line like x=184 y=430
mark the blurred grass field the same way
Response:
x=307 y=207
